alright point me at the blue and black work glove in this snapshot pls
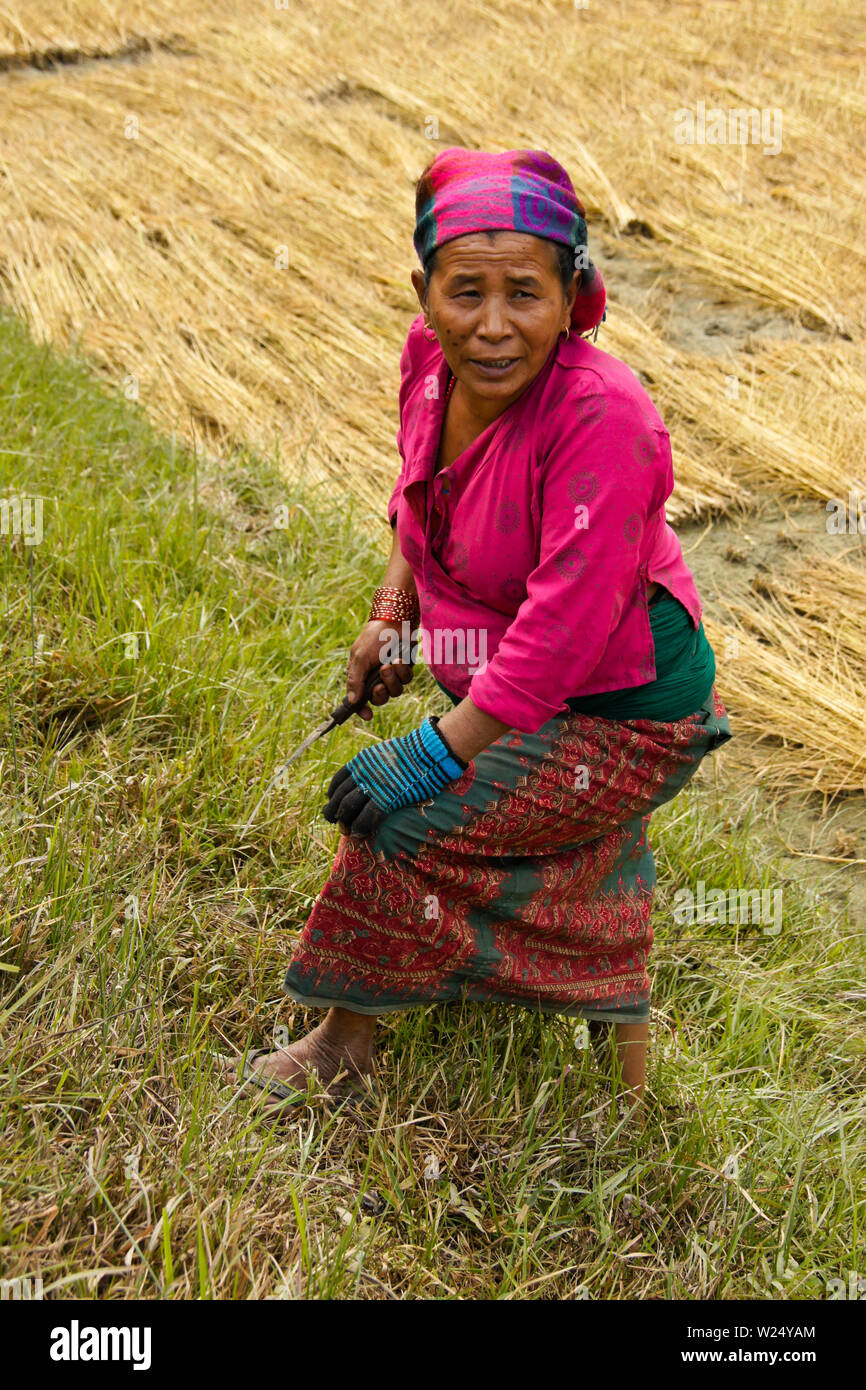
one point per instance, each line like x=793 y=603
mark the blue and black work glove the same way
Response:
x=397 y=772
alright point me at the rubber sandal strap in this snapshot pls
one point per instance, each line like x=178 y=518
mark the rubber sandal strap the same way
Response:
x=274 y=1088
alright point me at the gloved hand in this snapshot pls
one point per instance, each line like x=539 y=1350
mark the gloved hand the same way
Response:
x=397 y=772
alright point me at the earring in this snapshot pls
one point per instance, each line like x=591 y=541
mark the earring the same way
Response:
x=431 y=337
x=564 y=334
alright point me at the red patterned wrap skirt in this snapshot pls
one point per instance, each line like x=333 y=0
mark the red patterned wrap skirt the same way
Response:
x=529 y=881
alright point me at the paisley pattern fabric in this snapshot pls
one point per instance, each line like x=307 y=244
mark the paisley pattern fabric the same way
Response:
x=528 y=881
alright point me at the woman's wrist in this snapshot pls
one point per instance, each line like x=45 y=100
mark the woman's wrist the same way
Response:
x=461 y=762
x=395 y=605
x=468 y=730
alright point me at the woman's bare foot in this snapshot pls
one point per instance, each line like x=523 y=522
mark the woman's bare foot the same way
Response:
x=340 y=1046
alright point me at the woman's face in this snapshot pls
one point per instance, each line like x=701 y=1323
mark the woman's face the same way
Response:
x=497 y=304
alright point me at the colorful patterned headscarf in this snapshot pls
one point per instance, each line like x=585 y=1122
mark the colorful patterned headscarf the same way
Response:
x=464 y=191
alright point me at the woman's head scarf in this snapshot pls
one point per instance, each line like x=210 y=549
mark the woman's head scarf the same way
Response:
x=464 y=191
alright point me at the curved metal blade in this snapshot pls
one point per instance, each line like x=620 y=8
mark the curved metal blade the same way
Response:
x=324 y=728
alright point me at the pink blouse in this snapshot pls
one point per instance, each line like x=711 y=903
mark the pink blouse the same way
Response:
x=532 y=552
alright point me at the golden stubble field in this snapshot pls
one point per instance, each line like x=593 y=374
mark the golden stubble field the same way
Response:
x=215 y=203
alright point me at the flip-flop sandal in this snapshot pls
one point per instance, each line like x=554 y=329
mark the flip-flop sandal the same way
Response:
x=279 y=1089
x=356 y=1091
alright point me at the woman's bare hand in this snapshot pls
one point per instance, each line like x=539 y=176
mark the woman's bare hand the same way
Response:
x=365 y=654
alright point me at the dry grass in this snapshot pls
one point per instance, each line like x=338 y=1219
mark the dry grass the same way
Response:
x=160 y=254
x=794 y=666
x=279 y=131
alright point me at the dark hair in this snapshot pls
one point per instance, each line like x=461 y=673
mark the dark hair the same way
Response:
x=565 y=264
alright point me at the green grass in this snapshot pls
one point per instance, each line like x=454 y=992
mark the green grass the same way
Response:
x=137 y=940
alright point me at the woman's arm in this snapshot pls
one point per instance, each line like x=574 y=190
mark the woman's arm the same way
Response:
x=366 y=648
x=469 y=730
x=400 y=771
x=398 y=573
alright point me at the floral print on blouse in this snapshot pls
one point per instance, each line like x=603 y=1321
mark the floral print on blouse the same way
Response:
x=532 y=552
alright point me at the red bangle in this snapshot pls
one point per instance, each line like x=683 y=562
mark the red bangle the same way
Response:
x=394 y=605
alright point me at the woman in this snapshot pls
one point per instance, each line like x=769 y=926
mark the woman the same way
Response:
x=500 y=852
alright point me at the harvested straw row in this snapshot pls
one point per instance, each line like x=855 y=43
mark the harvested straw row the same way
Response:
x=828 y=598
x=788 y=394
x=637 y=63
x=792 y=669
x=61 y=29
x=200 y=230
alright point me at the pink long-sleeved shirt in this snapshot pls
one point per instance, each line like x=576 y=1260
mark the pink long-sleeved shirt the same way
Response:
x=532 y=552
